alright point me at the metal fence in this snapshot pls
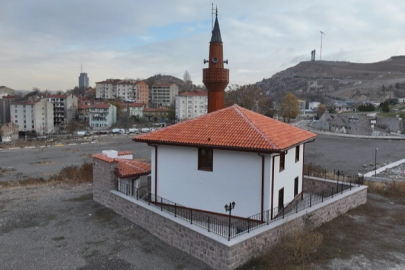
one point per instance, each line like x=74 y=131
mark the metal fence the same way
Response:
x=226 y=225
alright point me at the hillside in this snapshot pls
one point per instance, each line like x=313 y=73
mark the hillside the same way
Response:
x=341 y=80
x=158 y=78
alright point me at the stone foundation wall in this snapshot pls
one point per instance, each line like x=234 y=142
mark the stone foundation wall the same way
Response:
x=316 y=185
x=219 y=254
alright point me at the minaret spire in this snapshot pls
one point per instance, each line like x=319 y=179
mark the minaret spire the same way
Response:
x=216 y=77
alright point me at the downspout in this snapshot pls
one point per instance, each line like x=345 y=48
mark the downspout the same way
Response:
x=156 y=172
x=272 y=186
x=262 y=200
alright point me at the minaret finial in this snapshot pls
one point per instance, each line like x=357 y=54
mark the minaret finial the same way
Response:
x=216 y=12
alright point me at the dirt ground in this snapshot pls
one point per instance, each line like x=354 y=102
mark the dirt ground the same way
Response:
x=61 y=227
x=371 y=236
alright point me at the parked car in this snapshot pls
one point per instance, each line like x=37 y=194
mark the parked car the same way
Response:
x=118 y=131
x=144 y=130
x=82 y=133
x=133 y=130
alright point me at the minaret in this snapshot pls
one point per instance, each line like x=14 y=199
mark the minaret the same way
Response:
x=216 y=77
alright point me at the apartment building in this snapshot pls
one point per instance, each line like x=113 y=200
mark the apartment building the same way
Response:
x=33 y=116
x=163 y=94
x=191 y=104
x=127 y=90
x=64 y=108
x=102 y=115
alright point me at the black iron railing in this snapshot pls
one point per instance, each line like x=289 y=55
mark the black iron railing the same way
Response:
x=218 y=224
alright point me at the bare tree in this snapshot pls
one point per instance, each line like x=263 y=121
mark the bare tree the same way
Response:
x=187 y=77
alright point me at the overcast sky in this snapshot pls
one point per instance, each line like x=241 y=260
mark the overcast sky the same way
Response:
x=44 y=42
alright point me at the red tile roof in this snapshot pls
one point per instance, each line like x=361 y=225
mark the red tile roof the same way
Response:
x=136 y=104
x=231 y=128
x=195 y=93
x=127 y=167
x=100 y=106
x=132 y=168
x=124 y=153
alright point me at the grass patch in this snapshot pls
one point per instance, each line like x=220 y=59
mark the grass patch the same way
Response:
x=72 y=174
x=394 y=190
x=59 y=238
x=293 y=252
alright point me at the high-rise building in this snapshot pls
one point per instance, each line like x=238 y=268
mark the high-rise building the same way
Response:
x=83 y=80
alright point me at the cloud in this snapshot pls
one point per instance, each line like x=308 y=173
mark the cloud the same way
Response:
x=44 y=42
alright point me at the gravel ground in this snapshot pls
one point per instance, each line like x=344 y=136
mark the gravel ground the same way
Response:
x=61 y=227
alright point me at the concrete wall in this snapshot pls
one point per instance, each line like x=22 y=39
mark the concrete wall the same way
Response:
x=236 y=176
x=212 y=249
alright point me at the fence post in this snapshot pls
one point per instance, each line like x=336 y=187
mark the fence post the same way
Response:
x=350 y=185
x=137 y=194
x=296 y=207
x=341 y=189
x=322 y=195
x=208 y=223
x=150 y=196
x=161 y=204
x=332 y=192
x=248 y=225
x=175 y=210
x=283 y=211
x=310 y=200
x=191 y=216
x=268 y=217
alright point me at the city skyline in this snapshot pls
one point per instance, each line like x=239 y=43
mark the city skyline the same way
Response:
x=45 y=42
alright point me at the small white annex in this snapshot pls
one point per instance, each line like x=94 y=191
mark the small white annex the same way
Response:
x=232 y=154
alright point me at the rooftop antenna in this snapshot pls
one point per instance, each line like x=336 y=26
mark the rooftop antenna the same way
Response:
x=212 y=16
x=320 y=54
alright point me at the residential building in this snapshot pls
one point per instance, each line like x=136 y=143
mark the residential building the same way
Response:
x=5 y=109
x=102 y=115
x=127 y=90
x=164 y=94
x=191 y=104
x=136 y=109
x=142 y=93
x=83 y=80
x=313 y=105
x=33 y=116
x=301 y=105
x=158 y=114
x=344 y=106
x=64 y=108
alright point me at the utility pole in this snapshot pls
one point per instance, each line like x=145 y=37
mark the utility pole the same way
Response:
x=320 y=55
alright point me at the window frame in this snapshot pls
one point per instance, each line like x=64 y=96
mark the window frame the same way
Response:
x=297 y=153
x=296 y=186
x=282 y=162
x=205 y=163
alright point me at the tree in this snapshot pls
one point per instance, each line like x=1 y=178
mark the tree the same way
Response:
x=172 y=112
x=289 y=107
x=187 y=77
x=321 y=110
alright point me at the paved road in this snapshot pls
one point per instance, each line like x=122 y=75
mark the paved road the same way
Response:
x=350 y=154
x=330 y=152
x=42 y=162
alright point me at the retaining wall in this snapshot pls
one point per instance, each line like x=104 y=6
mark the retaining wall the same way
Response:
x=208 y=247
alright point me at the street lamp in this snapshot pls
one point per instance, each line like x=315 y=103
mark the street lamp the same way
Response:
x=228 y=208
x=375 y=162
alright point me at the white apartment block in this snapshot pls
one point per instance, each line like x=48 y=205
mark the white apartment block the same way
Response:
x=164 y=94
x=127 y=90
x=65 y=108
x=191 y=104
x=33 y=116
x=102 y=115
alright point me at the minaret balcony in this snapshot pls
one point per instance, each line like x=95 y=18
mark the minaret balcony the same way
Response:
x=215 y=75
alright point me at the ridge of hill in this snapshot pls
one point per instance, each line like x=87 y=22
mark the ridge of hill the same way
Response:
x=341 y=80
x=159 y=78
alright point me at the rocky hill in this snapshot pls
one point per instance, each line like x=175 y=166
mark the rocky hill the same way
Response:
x=341 y=80
x=158 y=78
